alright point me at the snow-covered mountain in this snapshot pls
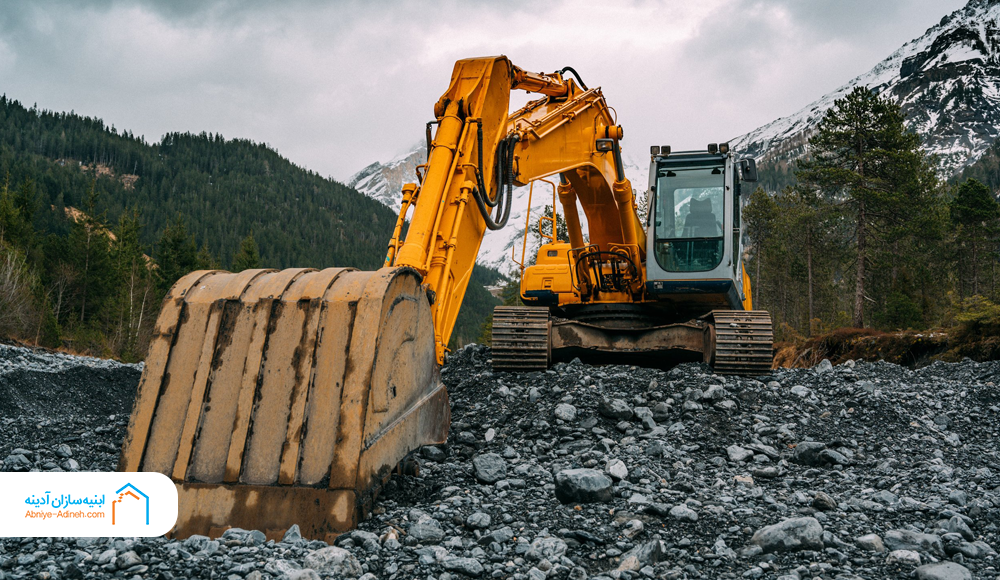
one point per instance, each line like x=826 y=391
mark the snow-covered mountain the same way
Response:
x=384 y=181
x=947 y=83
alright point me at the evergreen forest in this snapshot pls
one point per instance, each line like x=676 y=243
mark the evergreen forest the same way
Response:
x=862 y=233
x=96 y=224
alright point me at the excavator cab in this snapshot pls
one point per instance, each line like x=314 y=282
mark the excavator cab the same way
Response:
x=693 y=257
x=693 y=302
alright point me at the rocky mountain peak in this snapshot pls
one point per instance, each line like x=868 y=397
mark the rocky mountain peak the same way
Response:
x=947 y=82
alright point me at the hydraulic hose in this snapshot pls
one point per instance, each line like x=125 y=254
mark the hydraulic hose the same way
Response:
x=575 y=74
x=504 y=170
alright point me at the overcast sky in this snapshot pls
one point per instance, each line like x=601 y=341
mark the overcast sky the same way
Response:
x=336 y=85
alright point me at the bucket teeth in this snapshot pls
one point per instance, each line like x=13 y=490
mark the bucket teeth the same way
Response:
x=274 y=398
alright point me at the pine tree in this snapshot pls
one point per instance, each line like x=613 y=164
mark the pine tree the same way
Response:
x=136 y=288
x=868 y=164
x=760 y=217
x=90 y=252
x=975 y=215
x=248 y=256
x=176 y=254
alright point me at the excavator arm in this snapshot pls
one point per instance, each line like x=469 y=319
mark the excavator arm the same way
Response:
x=479 y=152
x=274 y=398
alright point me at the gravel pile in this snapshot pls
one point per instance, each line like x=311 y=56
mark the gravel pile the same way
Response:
x=856 y=471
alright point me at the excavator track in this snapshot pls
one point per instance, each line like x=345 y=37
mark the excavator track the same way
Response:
x=743 y=342
x=521 y=338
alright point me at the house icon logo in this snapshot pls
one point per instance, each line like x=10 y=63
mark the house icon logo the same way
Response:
x=130 y=498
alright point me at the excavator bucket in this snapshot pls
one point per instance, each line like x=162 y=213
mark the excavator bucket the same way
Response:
x=274 y=398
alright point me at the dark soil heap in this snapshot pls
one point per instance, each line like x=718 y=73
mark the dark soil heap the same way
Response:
x=856 y=471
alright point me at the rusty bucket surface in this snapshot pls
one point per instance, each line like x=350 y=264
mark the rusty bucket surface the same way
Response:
x=274 y=398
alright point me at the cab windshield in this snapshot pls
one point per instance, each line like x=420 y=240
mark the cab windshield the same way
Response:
x=689 y=217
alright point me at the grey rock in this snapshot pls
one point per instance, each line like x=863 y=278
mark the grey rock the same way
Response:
x=433 y=453
x=333 y=560
x=915 y=541
x=426 y=530
x=824 y=366
x=489 y=468
x=565 y=411
x=870 y=543
x=738 y=454
x=17 y=462
x=903 y=558
x=943 y=571
x=127 y=560
x=958 y=526
x=247 y=537
x=303 y=574
x=292 y=534
x=478 y=520
x=504 y=534
x=196 y=542
x=885 y=496
x=690 y=405
x=616 y=469
x=769 y=472
x=833 y=457
x=583 y=486
x=106 y=557
x=807 y=453
x=683 y=513
x=64 y=451
x=824 y=502
x=646 y=554
x=633 y=528
x=958 y=497
x=367 y=540
x=467 y=566
x=790 y=535
x=280 y=567
x=800 y=391
x=547 y=548
x=616 y=409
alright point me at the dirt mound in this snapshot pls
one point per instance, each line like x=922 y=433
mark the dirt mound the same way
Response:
x=910 y=349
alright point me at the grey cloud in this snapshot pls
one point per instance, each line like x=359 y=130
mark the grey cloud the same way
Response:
x=334 y=86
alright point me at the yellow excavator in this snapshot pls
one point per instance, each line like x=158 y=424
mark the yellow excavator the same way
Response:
x=274 y=398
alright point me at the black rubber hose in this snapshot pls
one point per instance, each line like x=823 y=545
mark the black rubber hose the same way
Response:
x=504 y=168
x=576 y=74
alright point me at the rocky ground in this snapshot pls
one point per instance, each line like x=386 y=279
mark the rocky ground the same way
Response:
x=856 y=471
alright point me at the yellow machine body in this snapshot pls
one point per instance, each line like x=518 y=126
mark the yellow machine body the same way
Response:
x=274 y=398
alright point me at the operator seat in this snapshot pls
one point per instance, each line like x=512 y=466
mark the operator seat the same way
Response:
x=700 y=221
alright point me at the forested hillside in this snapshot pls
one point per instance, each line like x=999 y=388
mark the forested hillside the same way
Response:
x=189 y=201
x=863 y=233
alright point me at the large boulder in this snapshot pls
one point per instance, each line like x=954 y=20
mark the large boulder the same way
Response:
x=582 y=486
x=615 y=409
x=943 y=571
x=915 y=541
x=426 y=530
x=489 y=468
x=333 y=561
x=790 y=535
x=547 y=548
x=808 y=453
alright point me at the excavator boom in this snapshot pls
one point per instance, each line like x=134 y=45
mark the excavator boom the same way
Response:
x=274 y=398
